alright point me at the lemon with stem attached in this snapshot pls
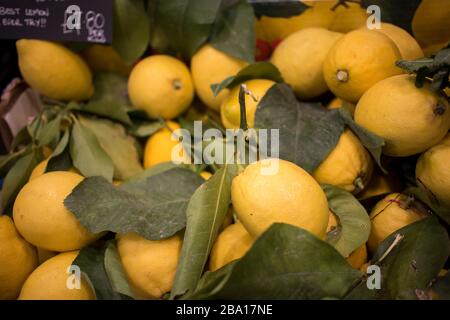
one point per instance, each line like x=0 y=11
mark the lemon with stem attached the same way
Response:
x=409 y=119
x=348 y=166
x=359 y=60
x=161 y=86
x=230 y=111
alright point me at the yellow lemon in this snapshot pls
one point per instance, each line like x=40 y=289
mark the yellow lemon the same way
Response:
x=150 y=266
x=161 y=86
x=349 y=18
x=231 y=244
x=433 y=171
x=211 y=66
x=358 y=257
x=230 y=111
x=432 y=49
x=319 y=15
x=381 y=184
x=206 y=175
x=390 y=214
x=53 y=280
x=163 y=145
x=274 y=190
x=333 y=222
x=39 y=170
x=408 y=46
x=337 y=103
x=18 y=259
x=431 y=22
x=300 y=59
x=349 y=166
x=54 y=71
x=357 y=61
x=42 y=219
x=103 y=58
x=409 y=119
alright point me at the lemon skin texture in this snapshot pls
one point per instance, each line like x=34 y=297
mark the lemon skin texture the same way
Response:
x=389 y=215
x=348 y=19
x=211 y=66
x=231 y=244
x=359 y=60
x=41 y=217
x=319 y=15
x=409 y=119
x=18 y=259
x=348 y=166
x=54 y=71
x=407 y=45
x=149 y=265
x=50 y=281
x=285 y=193
x=101 y=58
x=431 y=22
x=300 y=59
x=159 y=146
x=433 y=171
x=161 y=86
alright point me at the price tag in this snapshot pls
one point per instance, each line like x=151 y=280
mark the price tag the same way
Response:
x=57 y=20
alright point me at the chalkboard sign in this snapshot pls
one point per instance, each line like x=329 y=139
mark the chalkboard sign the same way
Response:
x=58 y=20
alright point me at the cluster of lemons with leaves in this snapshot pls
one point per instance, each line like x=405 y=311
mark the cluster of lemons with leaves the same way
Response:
x=325 y=53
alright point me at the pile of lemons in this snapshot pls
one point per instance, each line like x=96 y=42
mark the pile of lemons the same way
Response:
x=317 y=51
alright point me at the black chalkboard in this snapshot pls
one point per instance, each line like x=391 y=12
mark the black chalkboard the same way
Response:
x=58 y=20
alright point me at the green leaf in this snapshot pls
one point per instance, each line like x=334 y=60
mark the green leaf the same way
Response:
x=145 y=129
x=49 y=132
x=60 y=159
x=307 y=131
x=87 y=154
x=154 y=208
x=18 y=176
x=285 y=262
x=6 y=161
x=234 y=31
x=371 y=141
x=154 y=170
x=120 y=147
x=424 y=197
x=354 y=221
x=131 y=29
x=411 y=265
x=115 y=272
x=205 y=214
x=400 y=13
x=258 y=70
x=91 y=262
x=186 y=24
x=441 y=288
x=436 y=68
x=278 y=8
x=110 y=98
x=22 y=137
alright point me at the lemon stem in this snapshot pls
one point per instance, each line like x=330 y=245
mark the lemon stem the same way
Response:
x=242 y=92
x=177 y=85
x=342 y=75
